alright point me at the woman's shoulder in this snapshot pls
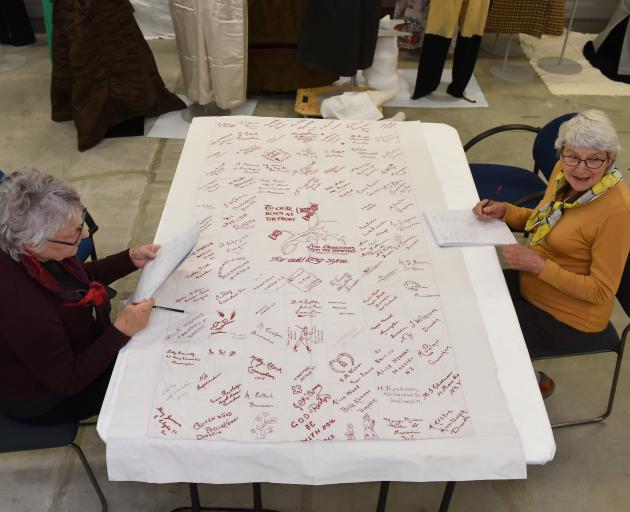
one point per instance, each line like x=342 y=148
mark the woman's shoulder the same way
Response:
x=621 y=195
x=17 y=287
x=614 y=206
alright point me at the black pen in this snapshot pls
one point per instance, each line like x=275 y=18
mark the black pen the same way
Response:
x=494 y=196
x=169 y=309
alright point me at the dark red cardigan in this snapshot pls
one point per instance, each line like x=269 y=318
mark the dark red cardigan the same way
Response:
x=45 y=346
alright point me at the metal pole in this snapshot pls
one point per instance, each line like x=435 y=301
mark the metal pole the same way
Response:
x=507 y=52
x=566 y=37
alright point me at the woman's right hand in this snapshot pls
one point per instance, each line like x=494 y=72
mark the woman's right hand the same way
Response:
x=134 y=317
x=486 y=210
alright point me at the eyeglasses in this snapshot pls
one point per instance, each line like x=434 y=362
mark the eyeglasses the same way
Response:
x=591 y=163
x=72 y=244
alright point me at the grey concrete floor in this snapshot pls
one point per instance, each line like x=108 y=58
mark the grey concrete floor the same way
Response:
x=125 y=183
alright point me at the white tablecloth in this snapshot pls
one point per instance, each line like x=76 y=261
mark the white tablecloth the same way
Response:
x=132 y=455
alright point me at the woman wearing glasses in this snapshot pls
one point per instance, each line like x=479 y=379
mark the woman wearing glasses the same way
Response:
x=563 y=283
x=57 y=343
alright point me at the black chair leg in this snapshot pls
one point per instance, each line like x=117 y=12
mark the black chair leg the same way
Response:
x=613 y=386
x=90 y=474
x=382 y=497
x=446 y=497
x=611 y=396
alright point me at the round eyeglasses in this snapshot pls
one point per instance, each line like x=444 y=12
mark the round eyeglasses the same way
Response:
x=591 y=163
x=76 y=242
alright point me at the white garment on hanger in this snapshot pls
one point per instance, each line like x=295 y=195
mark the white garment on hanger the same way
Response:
x=212 y=45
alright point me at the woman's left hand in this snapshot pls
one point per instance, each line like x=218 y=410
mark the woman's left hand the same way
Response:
x=140 y=256
x=520 y=257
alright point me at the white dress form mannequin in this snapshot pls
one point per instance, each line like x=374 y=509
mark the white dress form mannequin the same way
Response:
x=383 y=73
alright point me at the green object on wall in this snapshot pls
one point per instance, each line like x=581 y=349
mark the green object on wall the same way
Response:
x=47 y=10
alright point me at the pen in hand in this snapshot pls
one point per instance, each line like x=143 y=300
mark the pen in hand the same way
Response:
x=494 y=196
x=169 y=309
x=155 y=306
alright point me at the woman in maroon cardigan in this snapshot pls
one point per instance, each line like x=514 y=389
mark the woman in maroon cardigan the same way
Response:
x=57 y=343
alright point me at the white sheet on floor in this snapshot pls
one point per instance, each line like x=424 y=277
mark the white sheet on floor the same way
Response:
x=172 y=126
x=437 y=99
x=589 y=81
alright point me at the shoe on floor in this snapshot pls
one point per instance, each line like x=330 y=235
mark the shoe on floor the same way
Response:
x=545 y=383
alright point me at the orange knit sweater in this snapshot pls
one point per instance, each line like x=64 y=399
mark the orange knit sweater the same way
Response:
x=585 y=255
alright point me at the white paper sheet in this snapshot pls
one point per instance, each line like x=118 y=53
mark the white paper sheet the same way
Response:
x=458 y=228
x=168 y=258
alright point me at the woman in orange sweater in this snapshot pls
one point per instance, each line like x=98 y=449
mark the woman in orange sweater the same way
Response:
x=563 y=283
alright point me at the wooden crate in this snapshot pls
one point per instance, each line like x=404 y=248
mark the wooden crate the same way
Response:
x=307 y=100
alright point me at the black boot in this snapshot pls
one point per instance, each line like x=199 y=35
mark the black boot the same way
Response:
x=432 y=58
x=464 y=60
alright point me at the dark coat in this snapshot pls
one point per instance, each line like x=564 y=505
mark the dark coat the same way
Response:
x=45 y=346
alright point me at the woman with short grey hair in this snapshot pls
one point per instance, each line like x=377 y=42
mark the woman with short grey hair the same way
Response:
x=57 y=343
x=563 y=282
x=591 y=129
x=32 y=208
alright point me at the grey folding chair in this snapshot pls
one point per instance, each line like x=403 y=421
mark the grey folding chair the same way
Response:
x=17 y=436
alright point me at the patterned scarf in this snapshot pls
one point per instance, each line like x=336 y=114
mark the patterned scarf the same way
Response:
x=94 y=294
x=545 y=217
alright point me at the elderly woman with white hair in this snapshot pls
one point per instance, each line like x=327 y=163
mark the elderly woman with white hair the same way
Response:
x=57 y=343
x=563 y=283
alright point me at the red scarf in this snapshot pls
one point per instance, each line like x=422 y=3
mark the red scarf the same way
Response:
x=94 y=294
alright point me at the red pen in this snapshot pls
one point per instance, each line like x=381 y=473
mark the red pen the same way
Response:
x=494 y=196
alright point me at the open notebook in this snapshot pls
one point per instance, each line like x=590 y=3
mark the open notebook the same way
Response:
x=454 y=228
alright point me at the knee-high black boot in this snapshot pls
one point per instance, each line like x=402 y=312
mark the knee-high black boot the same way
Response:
x=432 y=58
x=466 y=51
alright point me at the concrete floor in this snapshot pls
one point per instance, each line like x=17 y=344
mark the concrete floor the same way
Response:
x=125 y=183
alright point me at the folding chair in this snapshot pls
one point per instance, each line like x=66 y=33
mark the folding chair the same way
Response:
x=17 y=436
x=519 y=186
x=610 y=342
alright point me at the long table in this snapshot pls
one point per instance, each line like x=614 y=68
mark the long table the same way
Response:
x=123 y=423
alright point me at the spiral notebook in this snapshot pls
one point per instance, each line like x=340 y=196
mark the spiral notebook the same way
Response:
x=458 y=228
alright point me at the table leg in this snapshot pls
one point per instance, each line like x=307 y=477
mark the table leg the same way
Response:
x=195 y=504
x=194 y=498
x=382 y=497
x=257 y=497
x=446 y=497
